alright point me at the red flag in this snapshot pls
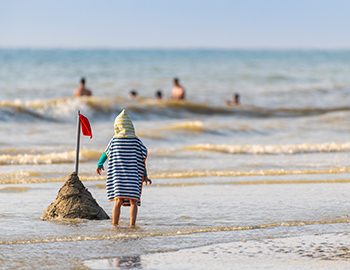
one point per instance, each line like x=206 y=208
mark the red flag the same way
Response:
x=85 y=126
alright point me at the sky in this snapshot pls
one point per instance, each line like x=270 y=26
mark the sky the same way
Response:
x=223 y=24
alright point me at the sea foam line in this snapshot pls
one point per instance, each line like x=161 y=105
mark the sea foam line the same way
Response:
x=28 y=177
x=173 y=233
x=246 y=173
x=305 y=148
x=263 y=182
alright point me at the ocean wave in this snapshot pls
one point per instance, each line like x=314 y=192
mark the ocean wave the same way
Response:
x=25 y=177
x=191 y=125
x=196 y=126
x=56 y=110
x=38 y=158
x=62 y=109
x=305 y=148
x=49 y=158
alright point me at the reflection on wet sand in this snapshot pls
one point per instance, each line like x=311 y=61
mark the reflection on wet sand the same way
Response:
x=125 y=262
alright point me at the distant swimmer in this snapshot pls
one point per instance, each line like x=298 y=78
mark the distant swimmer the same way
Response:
x=81 y=90
x=235 y=100
x=132 y=94
x=178 y=91
x=159 y=95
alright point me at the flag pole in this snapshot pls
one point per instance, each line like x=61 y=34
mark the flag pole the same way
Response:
x=77 y=146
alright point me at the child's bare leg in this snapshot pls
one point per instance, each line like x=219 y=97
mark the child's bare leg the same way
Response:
x=133 y=212
x=116 y=211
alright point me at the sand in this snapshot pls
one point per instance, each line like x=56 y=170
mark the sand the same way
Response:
x=329 y=251
x=74 y=201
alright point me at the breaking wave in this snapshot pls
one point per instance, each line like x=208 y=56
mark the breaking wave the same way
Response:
x=62 y=109
x=17 y=157
x=49 y=158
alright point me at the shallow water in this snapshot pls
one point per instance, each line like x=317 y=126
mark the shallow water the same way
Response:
x=170 y=218
x=273 y=167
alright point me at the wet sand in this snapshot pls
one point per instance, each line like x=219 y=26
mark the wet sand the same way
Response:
x=328 y=251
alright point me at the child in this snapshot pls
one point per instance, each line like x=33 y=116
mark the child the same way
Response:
x=126 y=168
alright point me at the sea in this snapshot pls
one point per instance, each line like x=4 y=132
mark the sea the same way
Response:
x=274 y=166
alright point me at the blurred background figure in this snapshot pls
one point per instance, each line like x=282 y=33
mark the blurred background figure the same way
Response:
x=81 y=90
x=159 y=95
x=178 y=91
x=235 y=100
x=133 y=94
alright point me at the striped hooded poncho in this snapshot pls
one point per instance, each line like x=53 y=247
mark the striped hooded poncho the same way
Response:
x=126 y=168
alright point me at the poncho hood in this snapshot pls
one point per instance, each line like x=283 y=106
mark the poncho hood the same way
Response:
x=123 y=126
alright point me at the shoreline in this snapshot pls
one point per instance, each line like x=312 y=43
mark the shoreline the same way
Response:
x=326 y=251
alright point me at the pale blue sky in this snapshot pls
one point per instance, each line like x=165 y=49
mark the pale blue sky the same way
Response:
x=284 y=24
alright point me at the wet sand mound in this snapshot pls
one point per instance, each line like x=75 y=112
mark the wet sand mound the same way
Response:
x=74 y=201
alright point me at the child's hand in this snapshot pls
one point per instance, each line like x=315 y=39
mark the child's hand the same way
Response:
x=98 y=170
x=147 y=181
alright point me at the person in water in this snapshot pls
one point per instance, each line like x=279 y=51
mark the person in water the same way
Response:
x=159 y=95
x=235 y=100
x=126 y=168
x=178 y=92
x=82 y=90
x=133 y=94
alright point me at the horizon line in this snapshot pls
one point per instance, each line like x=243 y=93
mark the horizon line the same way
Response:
x=147 y=48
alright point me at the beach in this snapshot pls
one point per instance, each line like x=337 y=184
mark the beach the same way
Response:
x=304 y=252
x=260 y=185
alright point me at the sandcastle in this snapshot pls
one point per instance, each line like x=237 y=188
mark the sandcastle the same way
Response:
x=74 y=201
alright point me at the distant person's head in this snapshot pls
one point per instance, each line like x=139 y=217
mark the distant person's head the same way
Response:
x=159 y=95
x=176 y=81
x=236 y=98
x=234 y=101
x=81 y=90
x=133 y=94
